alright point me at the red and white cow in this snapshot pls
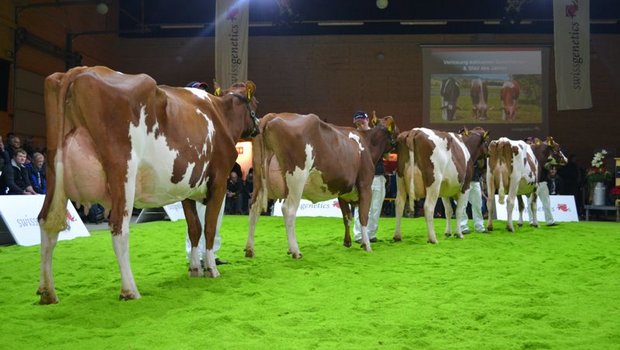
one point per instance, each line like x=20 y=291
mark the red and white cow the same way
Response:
x=123 y=141
x=301 y=156
x=509 y=94
x=516 y=166
x=433 y=164
x=512 y=169
x=479 y=94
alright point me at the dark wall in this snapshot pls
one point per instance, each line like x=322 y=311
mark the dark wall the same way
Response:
x=334 y=76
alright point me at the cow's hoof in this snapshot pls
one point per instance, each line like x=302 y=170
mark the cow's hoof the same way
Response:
x=431 y=241
x=460 y=235
x=128 y=295
x=249 y=253
x=397 y=238
x=47 y=298
x=296 y=255
x=489 y=228
x=196 y=272
x=520 y=224
x=212 y=272
x=534 y=225
x=510 y=228
x=347 y=244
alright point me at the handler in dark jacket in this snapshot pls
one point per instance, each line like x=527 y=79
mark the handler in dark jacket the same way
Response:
x=15 y=177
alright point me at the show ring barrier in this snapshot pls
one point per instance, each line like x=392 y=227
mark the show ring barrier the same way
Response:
x=19 y=219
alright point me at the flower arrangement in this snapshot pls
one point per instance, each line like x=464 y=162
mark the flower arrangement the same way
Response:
x=598 y=172
x=615 y=192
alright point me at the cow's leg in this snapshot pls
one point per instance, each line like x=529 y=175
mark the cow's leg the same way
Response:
x=215 y=203
x=521 y=206
x=401 y=197
x=447 y=205
x=461 y=203
x=510 y=204
x=120 y=241
x=46 y=283
x=255 y=211
x=345 y=208
x=289 y=211
x=490 y=201
x=532 y=203
x=430 y=202
x=365 y=197
x=194 y=231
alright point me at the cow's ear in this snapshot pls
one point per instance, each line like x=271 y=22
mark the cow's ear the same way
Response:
x=390 y=125
x=373 y=120
x=218 y=88
x=250 y=89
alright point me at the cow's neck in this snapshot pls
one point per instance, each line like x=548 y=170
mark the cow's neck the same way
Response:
x=541 y=152
x=376 y=138
x=472 y=143
x=235 y=116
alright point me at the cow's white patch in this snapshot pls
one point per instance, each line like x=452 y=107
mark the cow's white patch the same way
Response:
x=356 y=138
x=444 y=169
x=199 y=92
x=151 y=167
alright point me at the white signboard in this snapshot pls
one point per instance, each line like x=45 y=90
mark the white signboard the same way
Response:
x=563 y=208
x=329 y=208
x=20 y=213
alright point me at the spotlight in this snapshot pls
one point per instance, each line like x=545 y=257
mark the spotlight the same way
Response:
x=102 y=8
x=382 y=4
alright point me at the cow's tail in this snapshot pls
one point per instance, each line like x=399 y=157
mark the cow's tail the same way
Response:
x=53 y=215
x=411 y=169
x=261 y=169
x=504 y=151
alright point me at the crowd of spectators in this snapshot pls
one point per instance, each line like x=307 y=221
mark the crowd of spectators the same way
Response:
x=22 y=168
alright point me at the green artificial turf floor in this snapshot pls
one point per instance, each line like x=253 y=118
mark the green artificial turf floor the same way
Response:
x=546 y=288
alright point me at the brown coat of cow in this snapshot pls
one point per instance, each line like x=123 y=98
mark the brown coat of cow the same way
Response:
x=300 y=156
x=123 y=141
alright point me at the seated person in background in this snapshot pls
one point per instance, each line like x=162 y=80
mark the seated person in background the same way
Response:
x=554 y=181
x=14 y=143
x=4 y=155
x=36 y=170
x=234 y=194
x=14 y=178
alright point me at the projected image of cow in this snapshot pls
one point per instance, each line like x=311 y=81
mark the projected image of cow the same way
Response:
x=501 y=88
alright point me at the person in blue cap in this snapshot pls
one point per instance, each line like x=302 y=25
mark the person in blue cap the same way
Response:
x=361 y=121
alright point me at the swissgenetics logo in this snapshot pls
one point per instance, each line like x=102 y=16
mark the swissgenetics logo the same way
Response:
x=232 y=14
x=572 y=8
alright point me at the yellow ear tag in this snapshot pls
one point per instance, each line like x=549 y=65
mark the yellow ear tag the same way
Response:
x=218 y=92
x=250 y=87
x=373 y=121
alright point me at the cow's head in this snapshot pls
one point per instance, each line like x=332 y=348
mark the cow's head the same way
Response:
x=555 y=151
x=245 y=93
x=477 y=141
x=388 y=125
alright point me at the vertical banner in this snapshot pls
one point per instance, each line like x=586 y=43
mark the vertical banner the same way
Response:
x=231 y=41
x=571 y=32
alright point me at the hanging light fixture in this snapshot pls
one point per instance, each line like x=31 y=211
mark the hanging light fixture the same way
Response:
x=382 y=4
